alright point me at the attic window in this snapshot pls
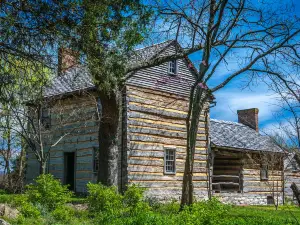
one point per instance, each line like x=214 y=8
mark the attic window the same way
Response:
x=264 y=175
x=172 y=67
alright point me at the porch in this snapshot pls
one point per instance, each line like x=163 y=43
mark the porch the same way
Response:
x=227 y=172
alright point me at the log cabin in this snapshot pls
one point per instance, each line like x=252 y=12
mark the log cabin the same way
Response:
x=233 y=161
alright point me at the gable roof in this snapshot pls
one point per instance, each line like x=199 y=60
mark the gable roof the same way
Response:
x=227 y=134
x=78 y=78
x=149 y=52
x=74 y=79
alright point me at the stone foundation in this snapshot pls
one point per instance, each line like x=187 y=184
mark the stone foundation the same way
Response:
x=167 y=195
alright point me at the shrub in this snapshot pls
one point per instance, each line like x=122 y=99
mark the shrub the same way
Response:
x=104 y=199
x=110 y=207
x=3 y=192
x=7 y=198
x=63 y=214
x=133 y=200
x=203 y=212
x=133 y=196
x=26 y=208
x=48 y=192
x=167 y=208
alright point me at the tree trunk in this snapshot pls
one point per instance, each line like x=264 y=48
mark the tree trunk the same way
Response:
x=186 y=185
x=43 y=165
x=108 y=140
x=8 y=155
x=22 y=159
x=196 y=107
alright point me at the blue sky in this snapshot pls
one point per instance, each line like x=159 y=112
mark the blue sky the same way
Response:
x=233 y=96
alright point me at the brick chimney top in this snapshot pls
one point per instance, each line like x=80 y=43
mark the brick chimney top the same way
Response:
x=67 y=58
x=249 y=117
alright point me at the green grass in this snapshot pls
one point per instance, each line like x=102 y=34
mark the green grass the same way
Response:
x=78 y=200
x=168 y=214
x=264 y=214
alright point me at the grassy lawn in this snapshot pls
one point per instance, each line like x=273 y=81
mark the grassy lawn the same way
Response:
x=283 y=215
x=158 y=214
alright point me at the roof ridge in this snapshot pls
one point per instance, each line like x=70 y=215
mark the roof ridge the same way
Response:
x=156 y=44
x=227 y=122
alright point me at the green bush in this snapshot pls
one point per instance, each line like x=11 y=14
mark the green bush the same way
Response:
x=63 y=214
x=104 y=199
x=203 y=212
x=133 y=196
x=26 y=208
x=110 y=207
x=167 y=208
x=133 y=200
x=3 y=192
x=48 y=192
x=7 y=198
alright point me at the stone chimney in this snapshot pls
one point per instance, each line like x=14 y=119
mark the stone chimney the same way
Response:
x=249 y=117
x=67 y=58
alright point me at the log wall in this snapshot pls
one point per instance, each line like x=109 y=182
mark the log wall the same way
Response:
x=292 y=175
x=75 y=116
x=254 y=190
x=156 y=121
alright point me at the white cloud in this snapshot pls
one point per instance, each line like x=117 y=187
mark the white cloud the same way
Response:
x=228 y=102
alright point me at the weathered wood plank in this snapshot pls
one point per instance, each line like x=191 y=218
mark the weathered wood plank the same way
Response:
x=84 y=174
x=139 y=145
x=66 y=147
x=166 y=184
x=165 y=140
x=160 y=154
x=151 y=168
x=161 y=132
x=139 y=177
x=155 y=111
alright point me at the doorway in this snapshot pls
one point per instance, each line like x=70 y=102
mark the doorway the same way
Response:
x=69 y=166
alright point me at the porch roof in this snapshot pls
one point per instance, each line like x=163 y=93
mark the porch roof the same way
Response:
x=227 y=134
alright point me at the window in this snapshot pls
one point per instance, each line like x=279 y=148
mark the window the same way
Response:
x=270 y=200
x=294 y=166
x=170 y=161
x=264 y=172
x=96 y=160
x=172 y=68
x=46 y=118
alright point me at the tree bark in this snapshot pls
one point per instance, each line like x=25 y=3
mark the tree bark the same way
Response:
x=43 y=165
x=108 y=140
x=192 y=123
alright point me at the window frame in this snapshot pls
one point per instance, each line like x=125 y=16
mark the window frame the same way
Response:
x=175 y=67
x=95 y=160
x=264 y=167
x=167 y=149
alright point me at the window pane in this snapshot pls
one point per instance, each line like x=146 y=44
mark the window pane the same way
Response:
x=170 y=160
x=172 y=66
x=294 y=165
x=264 y=172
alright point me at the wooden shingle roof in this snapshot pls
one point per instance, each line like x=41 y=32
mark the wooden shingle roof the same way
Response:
x=78 y=78
x=227 y=134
